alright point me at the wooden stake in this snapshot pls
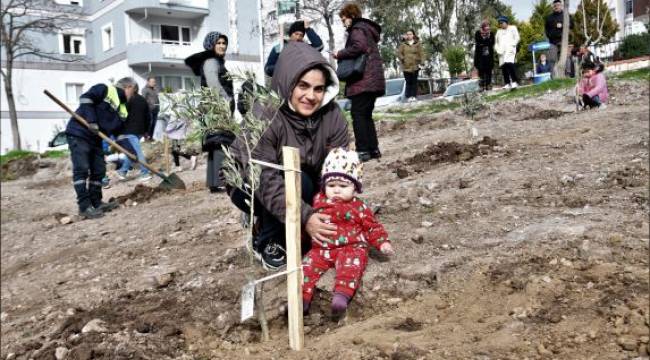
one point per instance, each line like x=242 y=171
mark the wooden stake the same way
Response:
x=166 y=145
x=291 y=162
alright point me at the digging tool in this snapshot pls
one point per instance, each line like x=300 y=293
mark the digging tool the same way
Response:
x=171 y=181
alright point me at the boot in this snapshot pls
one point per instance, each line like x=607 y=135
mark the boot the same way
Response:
x=91 y=213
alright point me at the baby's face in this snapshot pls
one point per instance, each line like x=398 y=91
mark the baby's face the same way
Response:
x=339 y=190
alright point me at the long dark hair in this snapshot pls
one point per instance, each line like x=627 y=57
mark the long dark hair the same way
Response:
x=415 y=35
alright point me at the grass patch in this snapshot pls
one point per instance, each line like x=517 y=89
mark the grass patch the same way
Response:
x=534 y=90
x=638 y=74
x=15 y=154
x=55 y=154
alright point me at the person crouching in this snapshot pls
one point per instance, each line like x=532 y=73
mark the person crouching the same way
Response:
x=593 y=87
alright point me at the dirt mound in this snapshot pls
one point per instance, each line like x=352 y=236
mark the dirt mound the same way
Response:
x=543 y=115
x=628 y=177
x=16 y=168
x=444 y=152
x=142 y=194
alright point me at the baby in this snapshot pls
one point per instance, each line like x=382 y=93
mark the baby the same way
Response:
x=357 y=228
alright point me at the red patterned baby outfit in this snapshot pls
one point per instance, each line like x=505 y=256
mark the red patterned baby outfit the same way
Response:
x=348 y=250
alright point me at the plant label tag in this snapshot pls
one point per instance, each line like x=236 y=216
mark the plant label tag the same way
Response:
x=247 y=301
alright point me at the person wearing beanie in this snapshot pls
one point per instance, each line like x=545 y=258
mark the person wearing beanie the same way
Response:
x=505 y=45
x=297 y=32
x=357 y=229
x=104 y=108
x=210 y=65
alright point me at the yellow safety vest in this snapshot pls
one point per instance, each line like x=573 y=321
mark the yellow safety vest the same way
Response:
x=114 y=101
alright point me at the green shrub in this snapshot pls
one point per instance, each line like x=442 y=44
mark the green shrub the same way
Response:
x=635 y=45
x=455 y=58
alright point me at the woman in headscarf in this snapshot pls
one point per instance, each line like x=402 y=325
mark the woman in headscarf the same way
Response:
x=308 y=119
x=210 y=65
x=484 y=54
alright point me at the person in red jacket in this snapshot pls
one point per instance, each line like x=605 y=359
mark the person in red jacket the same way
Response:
x=357 y=229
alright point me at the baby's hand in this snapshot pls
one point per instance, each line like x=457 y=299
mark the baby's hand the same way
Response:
x=387 y=248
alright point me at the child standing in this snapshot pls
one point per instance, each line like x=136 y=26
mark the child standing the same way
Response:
x=593 y=87
x=357 y=229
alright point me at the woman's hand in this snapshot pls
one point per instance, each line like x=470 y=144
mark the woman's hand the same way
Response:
x=335 y=54
x=319 y=228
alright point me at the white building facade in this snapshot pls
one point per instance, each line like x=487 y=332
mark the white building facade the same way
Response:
x=118 y=38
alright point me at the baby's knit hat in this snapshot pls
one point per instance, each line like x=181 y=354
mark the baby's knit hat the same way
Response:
x=342 y=164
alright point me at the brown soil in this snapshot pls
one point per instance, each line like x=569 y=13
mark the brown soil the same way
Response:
x=17 y=168
x=142 y=193
x=444 y=152
x=533 y=247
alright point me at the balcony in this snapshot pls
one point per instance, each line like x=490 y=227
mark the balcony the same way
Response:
x=157 y=54
x=178 y=9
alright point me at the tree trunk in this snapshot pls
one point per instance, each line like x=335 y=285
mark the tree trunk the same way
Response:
x=560 y=65
x=13 y=115
x=330 y=41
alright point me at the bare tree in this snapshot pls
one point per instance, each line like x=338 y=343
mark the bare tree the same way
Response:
x=20 y=20
x=560 y=66
x=327 y=11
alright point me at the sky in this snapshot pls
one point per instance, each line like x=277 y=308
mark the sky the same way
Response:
x=524 y=8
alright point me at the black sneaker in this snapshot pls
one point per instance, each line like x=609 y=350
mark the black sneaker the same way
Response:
x=375 y=154
x=91 y=213
x=109 y=206
x=273 y=257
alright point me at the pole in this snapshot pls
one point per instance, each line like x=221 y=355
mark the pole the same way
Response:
x=291 y=162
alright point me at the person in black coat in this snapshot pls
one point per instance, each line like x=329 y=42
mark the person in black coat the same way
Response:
x=484 y=54
x=210 y=65
x=553 y=28
x=135 y=126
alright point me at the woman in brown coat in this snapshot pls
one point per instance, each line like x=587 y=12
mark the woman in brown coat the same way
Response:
x=309 y=120
x=363 y=35
x=411 y=56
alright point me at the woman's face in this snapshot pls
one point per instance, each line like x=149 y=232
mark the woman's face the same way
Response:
x=542 y=58
x=409 y=36
x=308 y=94
x=220 y=47
x=347 y=22
x=503 y=25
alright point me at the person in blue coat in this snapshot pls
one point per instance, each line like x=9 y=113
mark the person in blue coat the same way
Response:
x=297 y=32
x=543 y=66
x=104 y=107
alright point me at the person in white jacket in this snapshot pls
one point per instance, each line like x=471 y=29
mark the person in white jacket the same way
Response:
x=505 y=46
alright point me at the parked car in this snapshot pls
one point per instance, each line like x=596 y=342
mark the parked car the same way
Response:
x=396 y=93
x=459 y=88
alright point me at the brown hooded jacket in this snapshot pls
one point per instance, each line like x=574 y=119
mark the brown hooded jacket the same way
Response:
x=314 y=136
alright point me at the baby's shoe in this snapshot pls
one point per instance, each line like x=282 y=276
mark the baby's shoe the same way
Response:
x=339 y=304
x=305 y=307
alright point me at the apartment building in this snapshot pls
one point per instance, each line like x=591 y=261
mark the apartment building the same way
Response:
x=117 y=38
x=631 y=15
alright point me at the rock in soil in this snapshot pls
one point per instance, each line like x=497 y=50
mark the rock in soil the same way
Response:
x=96 y=326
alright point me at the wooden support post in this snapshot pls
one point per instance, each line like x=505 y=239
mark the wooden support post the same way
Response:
x=291 y=162
x=166 y=145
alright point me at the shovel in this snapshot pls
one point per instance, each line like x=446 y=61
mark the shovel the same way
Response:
x=171 y=181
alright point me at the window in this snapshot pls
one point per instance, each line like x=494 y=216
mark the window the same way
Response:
x=72 y=92
x=70 y=2
x=107 y=37
x=73 y=44
x=171 y=34
x=287 y=7
x=175 y=83
x=629 y=7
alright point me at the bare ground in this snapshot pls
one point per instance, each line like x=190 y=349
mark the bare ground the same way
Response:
x=531 y=245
